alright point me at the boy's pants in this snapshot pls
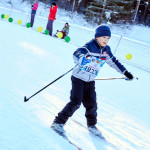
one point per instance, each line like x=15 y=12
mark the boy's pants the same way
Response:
x=82 y=92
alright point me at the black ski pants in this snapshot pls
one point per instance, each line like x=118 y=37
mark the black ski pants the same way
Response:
x=82 y=92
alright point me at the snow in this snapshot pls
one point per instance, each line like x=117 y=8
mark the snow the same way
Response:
x=31 y=60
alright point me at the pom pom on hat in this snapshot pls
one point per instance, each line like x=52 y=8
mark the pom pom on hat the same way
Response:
x=102 y=30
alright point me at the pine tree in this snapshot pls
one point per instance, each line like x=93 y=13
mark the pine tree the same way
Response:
x=116 y=11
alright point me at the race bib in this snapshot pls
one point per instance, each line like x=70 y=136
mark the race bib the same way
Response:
x=93 y=66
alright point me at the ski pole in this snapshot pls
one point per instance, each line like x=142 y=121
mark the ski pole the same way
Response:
x=111 y=78
x=117 y=45
x=26 y=99
x=114 y=78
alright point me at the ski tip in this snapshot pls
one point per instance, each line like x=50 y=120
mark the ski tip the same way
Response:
x=25 y=99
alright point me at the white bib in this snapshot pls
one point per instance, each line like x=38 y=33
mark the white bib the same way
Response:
x=93 y=66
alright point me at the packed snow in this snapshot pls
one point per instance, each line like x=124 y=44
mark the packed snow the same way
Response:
x=31 y=60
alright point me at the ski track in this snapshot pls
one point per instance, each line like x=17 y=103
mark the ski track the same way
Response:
x=120 y=129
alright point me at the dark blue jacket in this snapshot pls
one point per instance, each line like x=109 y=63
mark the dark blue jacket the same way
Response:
x=102 y=53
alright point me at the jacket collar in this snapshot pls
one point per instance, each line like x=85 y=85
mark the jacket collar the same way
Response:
x=98 y=45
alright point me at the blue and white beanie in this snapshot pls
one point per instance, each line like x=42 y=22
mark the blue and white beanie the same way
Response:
x=102 y=30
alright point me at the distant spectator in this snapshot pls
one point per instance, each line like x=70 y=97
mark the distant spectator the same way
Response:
x=51 y=18
x=64 y=31
x=33 y=12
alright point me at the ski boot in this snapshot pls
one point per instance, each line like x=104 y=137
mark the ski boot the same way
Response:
x=94 y=130
x=59 y=128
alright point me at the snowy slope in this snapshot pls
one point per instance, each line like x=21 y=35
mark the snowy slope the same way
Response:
x=30 y=60
x=20 y=127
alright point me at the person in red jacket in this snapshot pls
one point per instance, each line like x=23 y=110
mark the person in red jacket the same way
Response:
x=51 y=18
x=33 y=12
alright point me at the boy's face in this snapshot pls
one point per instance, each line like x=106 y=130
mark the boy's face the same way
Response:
x=103 y=40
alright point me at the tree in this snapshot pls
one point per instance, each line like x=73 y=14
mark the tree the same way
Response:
x=120 y=11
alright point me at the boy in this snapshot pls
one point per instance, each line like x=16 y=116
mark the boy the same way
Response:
x=90 y=58
x=33 y=12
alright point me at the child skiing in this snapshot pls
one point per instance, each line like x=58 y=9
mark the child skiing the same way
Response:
x=33 y=12
x=64 y=31
x=89 y=58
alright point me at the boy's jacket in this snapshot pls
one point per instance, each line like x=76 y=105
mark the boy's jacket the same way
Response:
x=89 y=71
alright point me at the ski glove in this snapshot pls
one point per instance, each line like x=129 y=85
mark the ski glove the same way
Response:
x=128 y=75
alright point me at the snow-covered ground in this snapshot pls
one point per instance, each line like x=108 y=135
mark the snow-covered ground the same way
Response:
x=138 y=32
x=81 y=31
x=29 y=61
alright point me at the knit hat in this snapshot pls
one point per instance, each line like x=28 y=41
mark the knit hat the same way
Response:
x=102 y=30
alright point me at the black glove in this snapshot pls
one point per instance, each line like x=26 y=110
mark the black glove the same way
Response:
x=128 y=75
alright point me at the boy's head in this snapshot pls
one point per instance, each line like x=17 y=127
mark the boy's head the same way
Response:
x=102 y=35
x=102 y=30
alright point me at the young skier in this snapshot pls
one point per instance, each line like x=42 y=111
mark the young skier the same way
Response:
x=89 y=58
x=64 y=31
x=33 y=12
x=51 y=18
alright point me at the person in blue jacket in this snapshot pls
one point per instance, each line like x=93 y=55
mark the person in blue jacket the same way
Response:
x=89 y=59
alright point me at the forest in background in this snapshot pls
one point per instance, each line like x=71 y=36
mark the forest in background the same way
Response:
x=104 y=11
